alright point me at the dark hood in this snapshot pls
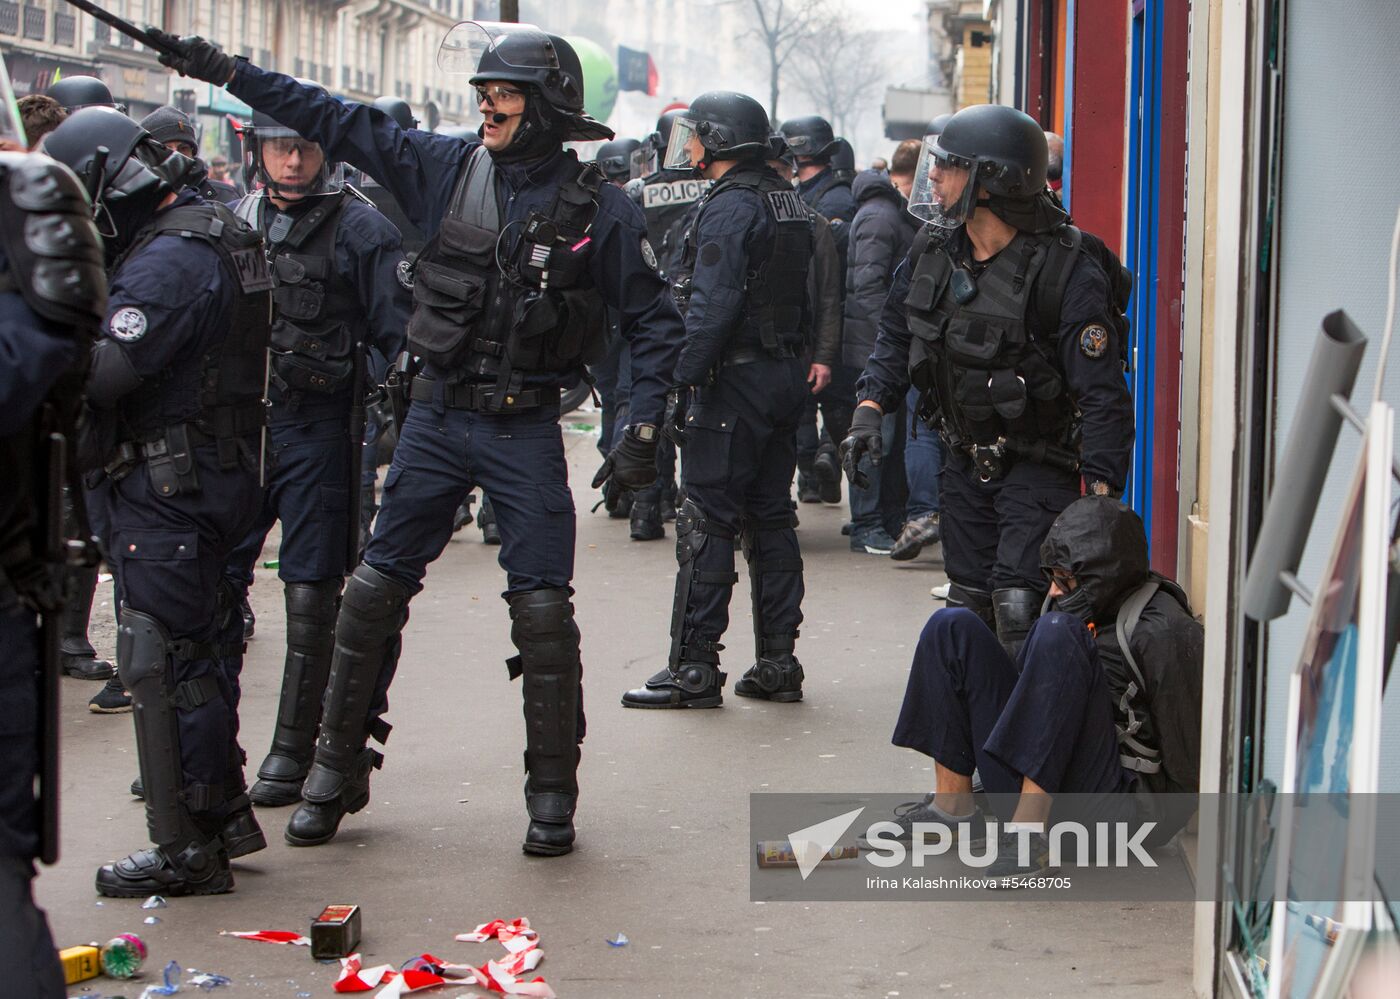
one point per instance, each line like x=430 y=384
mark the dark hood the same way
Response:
x=874 y=184
x=1103 y=545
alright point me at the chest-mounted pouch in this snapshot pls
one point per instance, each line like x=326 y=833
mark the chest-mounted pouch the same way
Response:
x=963 y=286
x=477 y=244
x=447 y=303
x=299 y=302
x=930 y=277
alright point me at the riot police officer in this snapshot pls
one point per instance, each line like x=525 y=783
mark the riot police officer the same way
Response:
x=76 y=92
x=526 y=246
x=668 y=195
x=175 y=130
x=1026 y=403
x=52 y=298
x=175 y=399
x=341 y=287
x=825 y=166
x=741 y=387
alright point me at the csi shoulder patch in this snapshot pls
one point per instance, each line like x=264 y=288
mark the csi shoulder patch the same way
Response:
x=404 y=272
x=648 y=254
x=1093 y=341
x=128 y=325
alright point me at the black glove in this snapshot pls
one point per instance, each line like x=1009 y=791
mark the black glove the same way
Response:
x=199 y=59
x=632 y=464
x=673 y=423
x=863 y=439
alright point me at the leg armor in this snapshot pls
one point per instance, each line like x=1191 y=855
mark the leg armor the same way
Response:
x=692 y=678
x=311 y=614
x=373 y=611
x=183 y=817
x=1015 y=611
x=241 y=833
x=79 y=657
x=975 y=600
x=775 y=585
x=543 y=630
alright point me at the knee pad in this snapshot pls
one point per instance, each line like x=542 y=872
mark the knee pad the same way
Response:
x=543 y=628
x=375 y=606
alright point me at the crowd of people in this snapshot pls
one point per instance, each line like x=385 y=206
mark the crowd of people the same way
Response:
x=761 y=322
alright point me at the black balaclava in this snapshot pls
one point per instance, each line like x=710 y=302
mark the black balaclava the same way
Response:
x=1037 y=214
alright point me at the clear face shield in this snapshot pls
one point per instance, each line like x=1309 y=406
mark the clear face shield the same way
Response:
x=684 y=137
x=468 y=43
x=289 y=165
x=12 y=138
x=944 y=190
x=643 y=160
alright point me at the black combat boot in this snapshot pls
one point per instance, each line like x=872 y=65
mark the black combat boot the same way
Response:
x=77 y=656
x=646 y=522
x=772 y=679
x=826 y=469
x=687 y=685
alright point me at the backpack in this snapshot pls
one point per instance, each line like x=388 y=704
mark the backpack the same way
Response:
x=1054 y=277
x=1133 y=708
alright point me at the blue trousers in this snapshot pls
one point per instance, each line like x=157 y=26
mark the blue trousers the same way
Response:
x=966 y=706
x=517 y=459
x=923 y=460
x=739 y=459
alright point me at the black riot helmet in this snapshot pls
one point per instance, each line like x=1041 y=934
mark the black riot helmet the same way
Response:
x=263 y=130
x=1004 y=153
x=398 y=109
x=615 y=158
x=652 y=152
x=137 y=174
x=545 y=66
x=810 y=138
x=728 y=125
x=843 y=161
x=74 y=92
x=936 y=126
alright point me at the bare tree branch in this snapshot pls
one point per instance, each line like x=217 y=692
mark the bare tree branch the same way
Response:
x=838 y=65
x=782 y=27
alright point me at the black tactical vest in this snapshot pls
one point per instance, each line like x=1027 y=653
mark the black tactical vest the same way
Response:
x=233 y=373
x=484 y=311
x=992 y=377
x=776 y=314
x=317 y=321
x=53 y=261
x=667 y=198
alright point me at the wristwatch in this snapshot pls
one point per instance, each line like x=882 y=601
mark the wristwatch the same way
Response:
x=1100 y=488
x=644 y=431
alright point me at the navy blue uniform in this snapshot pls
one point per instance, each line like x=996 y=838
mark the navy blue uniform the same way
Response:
x=526 y=474
x=992 y=530
x=33 y=354
x=171 y=303
x=309 y=475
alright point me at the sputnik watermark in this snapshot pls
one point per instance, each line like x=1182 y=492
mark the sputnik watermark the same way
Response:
x=1110 y=844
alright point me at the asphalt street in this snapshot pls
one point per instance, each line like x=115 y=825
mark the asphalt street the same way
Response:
x=664 y=845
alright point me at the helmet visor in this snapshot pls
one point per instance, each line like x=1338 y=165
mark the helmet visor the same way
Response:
x=510 y=46
x=944 y=188
x=643 y=160
x=684 y=135
x=12 y=137
x=289 y=165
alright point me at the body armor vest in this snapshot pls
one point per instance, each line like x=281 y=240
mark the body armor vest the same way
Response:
x=317 y=322
x=776 y=313
x=233 y=372
x=993 y=378
x=53 y=261
x=485 y=312
x=667 y=198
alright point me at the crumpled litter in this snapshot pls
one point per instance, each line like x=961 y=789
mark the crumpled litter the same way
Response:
x=619 y=941
x=171 y=976
x=155 y=902
x=426 y=971
x=151 y=920
x=269 y=936
x=207 y=980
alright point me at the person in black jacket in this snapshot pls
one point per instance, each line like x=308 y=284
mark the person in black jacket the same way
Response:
x=1049 y=723
x=880 y=236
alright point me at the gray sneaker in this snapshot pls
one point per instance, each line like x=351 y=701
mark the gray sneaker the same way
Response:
x=973 y=829
x=918 y=532
x=875 y=541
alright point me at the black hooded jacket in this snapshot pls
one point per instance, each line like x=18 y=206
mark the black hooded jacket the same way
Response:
x=1102 y=544
x=880 y=238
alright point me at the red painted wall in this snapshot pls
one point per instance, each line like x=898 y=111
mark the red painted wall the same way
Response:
x=1099 y=121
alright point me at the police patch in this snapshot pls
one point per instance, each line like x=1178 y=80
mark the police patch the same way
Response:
x=404 y=272
x=128 y=325
x=648 y=254
x=1093 y=341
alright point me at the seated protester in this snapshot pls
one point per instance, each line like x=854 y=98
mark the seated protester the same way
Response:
x=1056 y=722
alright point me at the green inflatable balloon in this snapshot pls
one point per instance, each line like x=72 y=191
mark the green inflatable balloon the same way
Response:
x=599 y=77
